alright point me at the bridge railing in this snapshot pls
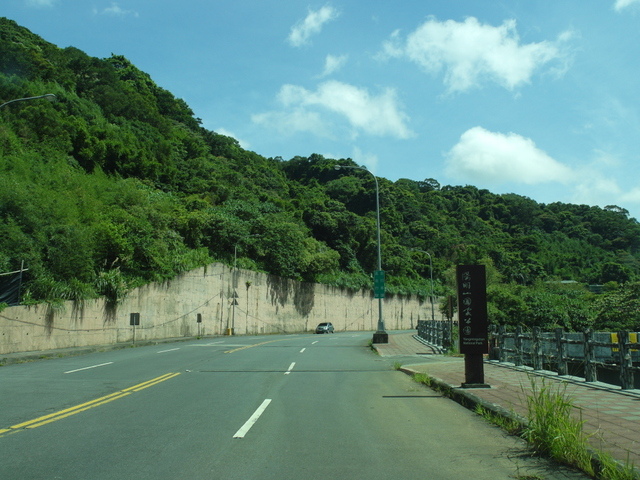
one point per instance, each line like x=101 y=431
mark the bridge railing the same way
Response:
x=438 y=333
x=594 y=354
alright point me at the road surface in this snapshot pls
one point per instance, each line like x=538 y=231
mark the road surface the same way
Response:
x=272 y=407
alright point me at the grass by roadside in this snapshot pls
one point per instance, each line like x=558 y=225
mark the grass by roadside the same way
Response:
x=550 y=428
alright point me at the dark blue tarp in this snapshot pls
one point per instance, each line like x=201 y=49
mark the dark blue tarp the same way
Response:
x=10 y=284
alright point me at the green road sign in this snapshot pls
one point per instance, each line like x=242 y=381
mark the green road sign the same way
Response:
x=378 y=284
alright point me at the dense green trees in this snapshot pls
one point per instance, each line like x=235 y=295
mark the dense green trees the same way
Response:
x=117 y=184
x=618 y=309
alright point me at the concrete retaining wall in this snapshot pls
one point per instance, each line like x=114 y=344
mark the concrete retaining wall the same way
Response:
x=264 y=304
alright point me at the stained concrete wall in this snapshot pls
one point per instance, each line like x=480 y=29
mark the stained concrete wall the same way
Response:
x=250 y=303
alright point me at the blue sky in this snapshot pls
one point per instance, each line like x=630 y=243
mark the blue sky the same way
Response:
x=535 y=97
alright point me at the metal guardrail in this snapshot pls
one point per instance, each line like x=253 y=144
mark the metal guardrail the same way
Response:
x=556 y=350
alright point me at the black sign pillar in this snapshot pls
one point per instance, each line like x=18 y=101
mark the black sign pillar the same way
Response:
x=134 y=319
x=473 y=322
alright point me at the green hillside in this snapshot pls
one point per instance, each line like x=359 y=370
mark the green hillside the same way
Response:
x=117 y=184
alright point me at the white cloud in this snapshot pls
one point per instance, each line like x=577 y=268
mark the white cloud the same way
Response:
x=311 y=25
x=333 y=63
x=243 y=144
x=470 y=52
x=116 y=11
x=596 y=189
x=370 y=160
x=632 y=196
x=493 y=158
x=375 y=115
x=597 y=183
x=603 y=191
x=40 y=3
x=621 y=4
x=293 y=121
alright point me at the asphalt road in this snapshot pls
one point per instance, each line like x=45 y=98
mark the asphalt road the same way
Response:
x=275 y=407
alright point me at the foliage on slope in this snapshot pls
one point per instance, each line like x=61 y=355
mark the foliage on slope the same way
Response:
x=117 y=184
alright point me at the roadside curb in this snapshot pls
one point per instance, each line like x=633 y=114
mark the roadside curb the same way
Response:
x=437 y=349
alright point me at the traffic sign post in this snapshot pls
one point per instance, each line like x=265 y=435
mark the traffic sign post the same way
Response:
x=234 y=302
x=378 y=284
x=134 y=319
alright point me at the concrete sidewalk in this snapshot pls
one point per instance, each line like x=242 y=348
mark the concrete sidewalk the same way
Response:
x=611 y=416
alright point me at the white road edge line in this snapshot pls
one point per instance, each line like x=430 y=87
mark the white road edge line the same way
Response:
x=302 y=351
x=254 y=418
x=170 y=350
x=219 y=344
x=290 y=368
x=87 y=368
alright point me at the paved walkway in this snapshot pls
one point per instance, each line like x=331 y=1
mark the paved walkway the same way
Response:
x=611 y=416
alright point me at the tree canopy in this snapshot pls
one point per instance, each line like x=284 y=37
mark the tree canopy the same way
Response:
x=117 y=184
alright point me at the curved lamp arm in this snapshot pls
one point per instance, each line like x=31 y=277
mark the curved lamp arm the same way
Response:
x=49 y=96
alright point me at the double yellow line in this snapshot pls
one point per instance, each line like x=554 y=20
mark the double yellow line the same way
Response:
x=52 y=417
x=254 y=345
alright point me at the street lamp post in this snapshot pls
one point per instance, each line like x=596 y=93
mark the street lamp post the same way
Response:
x=380 y=336
x=234 y=296
x=49 y=96
x=234 y=281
